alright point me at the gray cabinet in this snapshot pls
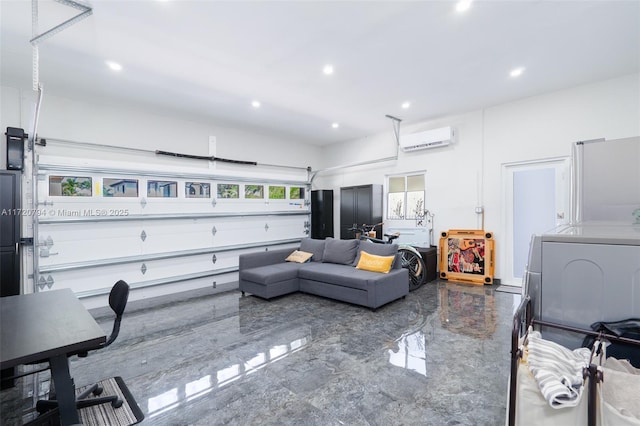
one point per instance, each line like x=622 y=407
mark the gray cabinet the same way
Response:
x=360 y=205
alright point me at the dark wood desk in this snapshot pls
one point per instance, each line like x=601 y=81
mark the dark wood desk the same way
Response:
x=49 y=325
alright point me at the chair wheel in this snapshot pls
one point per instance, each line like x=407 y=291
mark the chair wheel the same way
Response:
x=98 y=390
x=117 y=403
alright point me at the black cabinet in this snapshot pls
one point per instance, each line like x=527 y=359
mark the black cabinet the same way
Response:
x=9 y=233
x=321 y=213
x=360 y=205
x=9 y=245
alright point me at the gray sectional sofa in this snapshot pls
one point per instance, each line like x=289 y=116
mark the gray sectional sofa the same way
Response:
x=331 y=273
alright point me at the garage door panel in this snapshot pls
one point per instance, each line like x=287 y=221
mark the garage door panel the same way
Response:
x=258 y=229
x=81 y=242
x=177 y=235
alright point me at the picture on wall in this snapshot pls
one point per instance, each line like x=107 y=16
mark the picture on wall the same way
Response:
x=467 y=256
x=112 y=187
x=197 y=190
x=296 y=193
x=162 y=188
x=254 y=191
x=277 y=192
x=228 y=190
x=70 y=186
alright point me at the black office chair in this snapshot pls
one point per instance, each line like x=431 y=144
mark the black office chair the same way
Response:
x=118 y=301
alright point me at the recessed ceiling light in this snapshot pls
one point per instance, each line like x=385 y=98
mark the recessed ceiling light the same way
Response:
x=516 y=72
x=328 y=69
x=335 y=125
x=463 y=5
x=114 y=65
x=255 y=104
x=406 y=105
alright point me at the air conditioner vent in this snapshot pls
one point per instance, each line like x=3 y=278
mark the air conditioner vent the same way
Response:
x=426 y=140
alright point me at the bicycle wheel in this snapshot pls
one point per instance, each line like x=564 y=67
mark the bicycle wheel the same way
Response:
x=416 y=267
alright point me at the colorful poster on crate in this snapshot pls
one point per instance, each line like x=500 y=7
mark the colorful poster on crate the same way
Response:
x=466 y=255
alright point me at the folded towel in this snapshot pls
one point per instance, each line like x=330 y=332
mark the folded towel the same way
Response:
x=557 y=370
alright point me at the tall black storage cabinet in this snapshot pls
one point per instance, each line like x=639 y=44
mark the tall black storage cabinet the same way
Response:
x=360 y=205
x=9 y=233
x=321 y=213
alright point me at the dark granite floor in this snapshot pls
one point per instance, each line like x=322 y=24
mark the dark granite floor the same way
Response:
x=438 y=357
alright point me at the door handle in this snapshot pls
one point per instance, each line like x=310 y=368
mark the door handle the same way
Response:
x=47 y=253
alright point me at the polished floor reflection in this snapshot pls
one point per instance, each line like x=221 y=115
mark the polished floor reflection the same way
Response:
x=438 y=357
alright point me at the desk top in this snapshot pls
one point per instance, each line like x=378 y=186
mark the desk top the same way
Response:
x=37 y=326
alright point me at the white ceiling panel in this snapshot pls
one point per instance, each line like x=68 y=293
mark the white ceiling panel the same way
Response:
x=210 y=59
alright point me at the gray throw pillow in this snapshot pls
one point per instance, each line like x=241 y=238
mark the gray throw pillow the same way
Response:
x=313 y=246
x=342 y=252
x=375 y=249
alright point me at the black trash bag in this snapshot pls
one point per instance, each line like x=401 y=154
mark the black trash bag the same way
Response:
x=629 y=329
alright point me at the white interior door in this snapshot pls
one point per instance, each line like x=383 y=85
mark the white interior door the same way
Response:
x=536 y=200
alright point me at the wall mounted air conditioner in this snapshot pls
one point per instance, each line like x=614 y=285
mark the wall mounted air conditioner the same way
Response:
x=428 y=139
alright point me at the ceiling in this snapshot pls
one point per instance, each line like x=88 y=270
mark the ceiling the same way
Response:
x=208 y=60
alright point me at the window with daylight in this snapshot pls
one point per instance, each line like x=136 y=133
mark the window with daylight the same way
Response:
x=405 y=199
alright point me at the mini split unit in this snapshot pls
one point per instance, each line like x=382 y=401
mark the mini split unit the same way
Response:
x=428 y=139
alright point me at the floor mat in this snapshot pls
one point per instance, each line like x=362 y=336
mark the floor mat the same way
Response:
x=509 y=289
x=104 y=414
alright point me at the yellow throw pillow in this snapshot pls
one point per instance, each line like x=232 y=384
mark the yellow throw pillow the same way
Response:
x=373 y=263
x=299 y=257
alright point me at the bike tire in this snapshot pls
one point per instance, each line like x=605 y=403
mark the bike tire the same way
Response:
x=416 y=267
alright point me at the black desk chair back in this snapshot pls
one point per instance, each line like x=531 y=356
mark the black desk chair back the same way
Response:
x=118 y=298
x=118 y=301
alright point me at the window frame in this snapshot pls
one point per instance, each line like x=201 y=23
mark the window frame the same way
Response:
x=405 y=214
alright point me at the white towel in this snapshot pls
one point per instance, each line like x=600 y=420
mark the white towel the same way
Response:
x=557 y=370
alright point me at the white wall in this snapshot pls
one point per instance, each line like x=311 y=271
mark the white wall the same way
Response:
x=468 y=172
x=123 y=125
x=452 y=172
